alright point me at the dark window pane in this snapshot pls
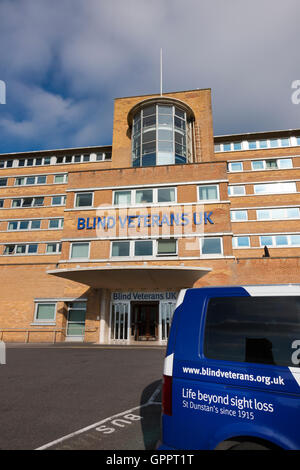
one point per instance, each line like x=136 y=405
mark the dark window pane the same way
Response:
x=211 y=246
x=27 y=202
x=38 y=201
x=149 y=136
x=149 y=110
x=84 y=200
x=136 y=162
x=149 y=121
x=143 y=248
x=180 y=160
x=252 y=329
x=149 y=148
x=149 y=160
x=120 y=249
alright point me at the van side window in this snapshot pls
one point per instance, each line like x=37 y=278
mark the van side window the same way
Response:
x=253 y=329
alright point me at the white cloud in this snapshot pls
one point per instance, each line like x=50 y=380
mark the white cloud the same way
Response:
x=64 y=61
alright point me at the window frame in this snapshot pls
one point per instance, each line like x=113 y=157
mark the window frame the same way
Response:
x=233 y=219
x=235 y=244
x=45 y=321
x=269 y=184
x=79 y=243
x=208 y=186
x=235 y=163
x=210 y=255
x=155 y=201
x=278 y=163
x=77 y=195
x=231 y=188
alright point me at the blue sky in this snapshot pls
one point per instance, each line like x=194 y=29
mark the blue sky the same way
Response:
x=64 y=62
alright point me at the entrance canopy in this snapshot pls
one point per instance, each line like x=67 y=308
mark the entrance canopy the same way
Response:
x=134 y=277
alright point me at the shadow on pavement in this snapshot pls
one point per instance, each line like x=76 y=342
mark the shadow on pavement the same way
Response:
x=151 y=416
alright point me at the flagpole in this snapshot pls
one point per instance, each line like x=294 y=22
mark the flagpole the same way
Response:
x=160 y=72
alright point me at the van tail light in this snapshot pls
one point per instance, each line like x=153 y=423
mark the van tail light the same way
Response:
x=167 y=395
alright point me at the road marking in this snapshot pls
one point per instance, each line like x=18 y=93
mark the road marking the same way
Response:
x=151 y=401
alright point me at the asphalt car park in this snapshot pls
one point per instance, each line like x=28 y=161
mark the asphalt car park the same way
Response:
x=80 y=397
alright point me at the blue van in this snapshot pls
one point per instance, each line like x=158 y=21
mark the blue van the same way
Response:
x=231 y=372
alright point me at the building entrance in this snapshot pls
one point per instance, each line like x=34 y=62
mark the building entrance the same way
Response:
x=144 y=321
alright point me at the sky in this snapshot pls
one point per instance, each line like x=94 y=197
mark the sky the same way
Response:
x=64 y=62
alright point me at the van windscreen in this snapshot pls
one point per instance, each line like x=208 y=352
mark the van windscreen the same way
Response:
x=263 y=330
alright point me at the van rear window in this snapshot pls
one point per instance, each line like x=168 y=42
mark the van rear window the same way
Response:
x=264 y=330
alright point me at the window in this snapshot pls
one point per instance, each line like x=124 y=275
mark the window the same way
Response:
x=211 y=246
x=30 y=180
x=53 y=248
x=235 y=166
x=280 y=240
x=3 y=181
x=20 y=249
x=60 y=178
x=24 y=225
x=241 y=242
x=143 y=196
x=12 y=225
x=143 y=248
x=236 y=190
x=1 y=203
x=122 y=198
x=58 y=200
x=208 y=192
x=228 y=147
x=159 y=136
x=84 y=200
x=275 y=188
x=45 y=312
x=252 y=144
x=166 y=247
x=258 y=165
x=237 y=216
x=38 y=201
x=80 y=250
x=166 y=195
x=272 y=164
x=56 y=223
x=28 y=202
x=285 y=142
x=264 y=329
x=35 y=224
x=120 y=248
x=161 y=247
x=278 y=214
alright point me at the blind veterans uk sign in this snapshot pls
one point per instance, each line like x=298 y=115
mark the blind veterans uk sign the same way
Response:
x=149 y=220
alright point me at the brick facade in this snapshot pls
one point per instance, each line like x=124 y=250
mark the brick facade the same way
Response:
x=25 y=277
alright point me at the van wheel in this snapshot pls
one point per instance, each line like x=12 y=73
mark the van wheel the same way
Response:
x=248 y=445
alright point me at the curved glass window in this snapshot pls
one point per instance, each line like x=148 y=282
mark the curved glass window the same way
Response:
x=159 y=136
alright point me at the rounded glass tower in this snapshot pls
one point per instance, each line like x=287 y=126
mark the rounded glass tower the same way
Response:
x=160 y=133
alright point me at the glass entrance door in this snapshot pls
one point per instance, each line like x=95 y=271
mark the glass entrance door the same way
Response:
x=76 y=321
x=145 y=321
x=120 y=321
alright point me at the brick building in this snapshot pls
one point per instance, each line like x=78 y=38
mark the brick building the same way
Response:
x=96 y=242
